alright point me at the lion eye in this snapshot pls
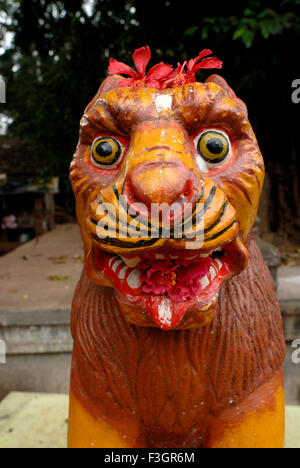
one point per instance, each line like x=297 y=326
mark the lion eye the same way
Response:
x=106 y=152
x=214 y=146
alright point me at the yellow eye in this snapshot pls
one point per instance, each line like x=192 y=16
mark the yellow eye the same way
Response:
x=214 y=146
x=106 y=151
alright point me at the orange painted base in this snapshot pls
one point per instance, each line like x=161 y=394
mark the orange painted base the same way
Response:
x=87 y=432
x=257 y=422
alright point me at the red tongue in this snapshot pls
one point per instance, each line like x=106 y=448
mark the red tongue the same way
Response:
x=165 y=313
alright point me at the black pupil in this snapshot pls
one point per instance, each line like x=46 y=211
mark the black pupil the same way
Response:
x=104 y=149
x=215 y=146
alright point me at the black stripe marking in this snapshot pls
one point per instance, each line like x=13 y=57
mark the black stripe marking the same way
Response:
x=223 y=211
x=117 y=229
x=124 y=244
x=201 y=213
x=144 y=223
x=221 y=232
x=122 y=223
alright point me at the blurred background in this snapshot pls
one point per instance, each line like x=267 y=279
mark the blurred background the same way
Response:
x=53 y=57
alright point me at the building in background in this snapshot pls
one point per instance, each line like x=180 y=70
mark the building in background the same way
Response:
x=27 y=207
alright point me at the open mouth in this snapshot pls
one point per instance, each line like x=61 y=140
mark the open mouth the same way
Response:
x=166 y=284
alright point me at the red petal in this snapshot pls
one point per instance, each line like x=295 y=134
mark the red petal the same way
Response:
x=151 y=83
x=126 y=82
x=141 y=59
x=192 y=63
x=182 y=67
x=160 y=71
x=116 y=67
x=211 y=62
x=204 y=53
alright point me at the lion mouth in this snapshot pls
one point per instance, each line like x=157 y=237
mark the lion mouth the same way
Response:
x=166 y=284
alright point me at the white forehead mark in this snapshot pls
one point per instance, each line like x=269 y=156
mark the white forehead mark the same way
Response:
x=163 y=102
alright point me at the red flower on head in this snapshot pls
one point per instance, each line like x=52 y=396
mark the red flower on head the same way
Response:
x=199 y=62
x=186 y=73
x=138 y=78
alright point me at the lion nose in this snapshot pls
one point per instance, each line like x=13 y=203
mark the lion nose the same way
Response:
x=161 y=183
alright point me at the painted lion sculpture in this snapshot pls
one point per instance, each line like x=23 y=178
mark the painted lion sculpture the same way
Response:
x=178 y=338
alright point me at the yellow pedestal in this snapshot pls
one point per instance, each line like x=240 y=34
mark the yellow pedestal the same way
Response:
x=31 y=420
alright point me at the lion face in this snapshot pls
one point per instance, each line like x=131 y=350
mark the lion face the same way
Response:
x=167 y=185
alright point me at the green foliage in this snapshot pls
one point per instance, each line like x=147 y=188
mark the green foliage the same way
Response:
x=252 y=22
x=57 y=60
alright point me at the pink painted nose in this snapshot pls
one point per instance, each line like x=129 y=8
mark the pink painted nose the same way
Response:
x=161 y=182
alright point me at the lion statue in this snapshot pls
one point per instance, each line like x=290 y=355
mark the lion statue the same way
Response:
x=178 y=339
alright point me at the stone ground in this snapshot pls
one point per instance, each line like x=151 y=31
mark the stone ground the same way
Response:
x=41 y=275
x=289 y=283
x=30 y=420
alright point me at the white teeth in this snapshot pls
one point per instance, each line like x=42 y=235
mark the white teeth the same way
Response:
x=123 y=272
x=219 y=263
x=111 y=260
x=116 y=265
x=204 y=255
x=212 y=272
x=131 y=262
x=204 y=282
x=134 y=279
x=165 y=312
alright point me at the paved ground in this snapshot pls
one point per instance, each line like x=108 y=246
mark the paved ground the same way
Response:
x=30 y=420
x=289 y=283
x=42 y=274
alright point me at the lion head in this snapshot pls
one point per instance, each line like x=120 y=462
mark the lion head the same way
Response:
x=167 y=185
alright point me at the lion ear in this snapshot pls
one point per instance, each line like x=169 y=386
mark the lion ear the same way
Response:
x=219 y=80
x=111 y=82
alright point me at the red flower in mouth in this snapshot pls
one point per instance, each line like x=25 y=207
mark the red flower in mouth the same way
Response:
x=179 y=281
x=141 y=57
x=186 y=73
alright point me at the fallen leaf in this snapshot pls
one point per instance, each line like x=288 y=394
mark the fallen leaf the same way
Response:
x=58 y=278
x=61 y=257
x=58 y=260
